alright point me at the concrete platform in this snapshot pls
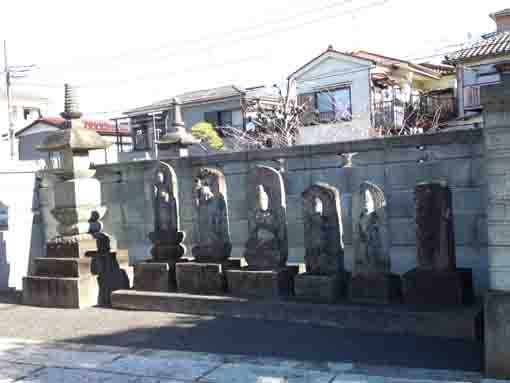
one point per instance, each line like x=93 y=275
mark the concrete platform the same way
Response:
x=457 y=323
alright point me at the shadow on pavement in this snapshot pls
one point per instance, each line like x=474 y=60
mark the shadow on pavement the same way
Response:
x=263 y=338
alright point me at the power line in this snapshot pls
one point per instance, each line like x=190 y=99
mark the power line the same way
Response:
x=313 y=21
x=382 y=62
x=230 y=33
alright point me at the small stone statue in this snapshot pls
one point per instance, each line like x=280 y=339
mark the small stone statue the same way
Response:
x=434 y=226
x=166 y=237
x=324 y=249
x=214 y=243
x=266 y=248
x=370 y=231
x=165 y=209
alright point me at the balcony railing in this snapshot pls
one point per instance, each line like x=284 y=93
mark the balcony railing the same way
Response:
x=420 y=113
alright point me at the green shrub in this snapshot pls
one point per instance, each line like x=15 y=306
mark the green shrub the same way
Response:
x=205 y=132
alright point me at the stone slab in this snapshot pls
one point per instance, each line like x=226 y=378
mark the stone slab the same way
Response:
x=375 y=288
x=455 y=323
x=320 y=288
x=61 y=375
x=62 y=267
x=256 y=373
x=497 y=335
x=183 y=369
x=201 y=278
x=426 y=287
x=60 y=292
x=261 y=284
x=152 y=276
x=76 y=249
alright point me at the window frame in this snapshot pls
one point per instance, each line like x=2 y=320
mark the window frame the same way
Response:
x=333 y=111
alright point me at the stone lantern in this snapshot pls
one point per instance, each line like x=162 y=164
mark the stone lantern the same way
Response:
x=65 y=277
x=177 y=139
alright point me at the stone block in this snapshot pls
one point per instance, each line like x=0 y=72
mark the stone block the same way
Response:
x=151 y=276
x=261 y=284
x=62 y=267
x=375 y=288
x=320 y=288
x=497 y=335
x=71 y=249
x=202 y=278
x=60 y=292
x=438 y=288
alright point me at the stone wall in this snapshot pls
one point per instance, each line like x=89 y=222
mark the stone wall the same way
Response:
x=395 y=164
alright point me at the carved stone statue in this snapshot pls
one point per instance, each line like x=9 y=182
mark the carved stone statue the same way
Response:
x=370 y=231
x=166 y=237
x=266 y=248
x=324 y=249
x=436 y=280
x=372 y=280
x=214 y=243
x=434 y=227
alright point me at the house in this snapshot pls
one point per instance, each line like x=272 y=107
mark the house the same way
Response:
x=35 y=133
x=223 y=106
x=361 y=94
x=476 y=65
x=28 y=103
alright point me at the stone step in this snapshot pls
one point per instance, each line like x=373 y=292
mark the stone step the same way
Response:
x=62 y=267
x=455 y=323
x=60 y=292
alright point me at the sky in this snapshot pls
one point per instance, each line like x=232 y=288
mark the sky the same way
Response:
x=127 y=54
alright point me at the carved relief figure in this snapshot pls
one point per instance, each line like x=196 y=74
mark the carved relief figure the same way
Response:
x=324 y=250
x=166 y=216
x=370 y=230
x=266 y=248
x=213 y=227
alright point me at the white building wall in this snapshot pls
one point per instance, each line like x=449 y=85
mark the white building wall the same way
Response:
x=331 y=72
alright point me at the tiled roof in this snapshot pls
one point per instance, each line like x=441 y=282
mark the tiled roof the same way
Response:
x=491 y=45
x=387 y=61
x=442 y=69
x=100 y=126
x=194 y=97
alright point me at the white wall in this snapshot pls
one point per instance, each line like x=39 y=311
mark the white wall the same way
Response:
x=24 y=238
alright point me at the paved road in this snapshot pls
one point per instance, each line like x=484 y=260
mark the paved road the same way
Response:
x=234 y=336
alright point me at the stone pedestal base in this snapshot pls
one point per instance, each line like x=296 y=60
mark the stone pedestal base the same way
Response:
x=71 y=293
x=445 y=288
x=71 y=247
x=261 y=284
x=203 y=278
x=72 y=282
x=152 y=276
x=320 y=288
x=497 y=335
x=375 y=288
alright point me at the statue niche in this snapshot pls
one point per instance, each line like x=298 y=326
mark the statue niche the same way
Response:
x=324 y=249
x=370 y=231
x=166 y=237
x=266 y=248
x=214 y=244
x=372 y=280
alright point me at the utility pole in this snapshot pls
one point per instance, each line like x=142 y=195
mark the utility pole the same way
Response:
x=10 y=73
x=9 y=101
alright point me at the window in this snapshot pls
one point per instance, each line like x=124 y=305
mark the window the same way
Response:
x=31 y=113
x=334 y=105
x=221 y=118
